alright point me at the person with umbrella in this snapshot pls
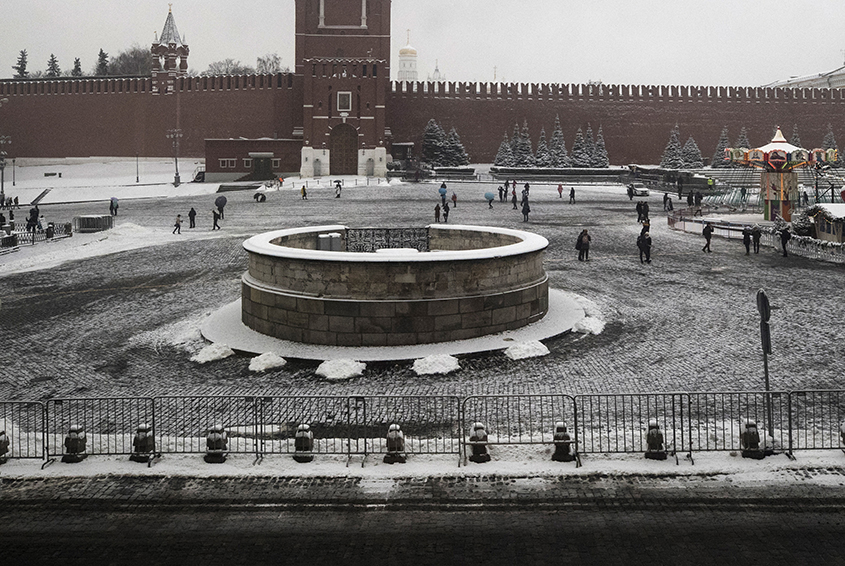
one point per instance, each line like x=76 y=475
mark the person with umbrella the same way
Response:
x=216 y=216
x=220 y=202
x=489 y=197
x=442 y=192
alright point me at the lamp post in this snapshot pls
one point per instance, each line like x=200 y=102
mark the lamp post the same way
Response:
x=3 y=141
x=175 y=134
x=137 y=177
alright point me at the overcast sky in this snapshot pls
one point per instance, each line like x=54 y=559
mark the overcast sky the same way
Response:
x=702 y=42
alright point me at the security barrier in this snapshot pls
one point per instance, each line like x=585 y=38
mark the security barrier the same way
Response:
x=358 y=425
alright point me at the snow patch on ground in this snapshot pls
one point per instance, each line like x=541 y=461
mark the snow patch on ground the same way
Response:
x=338 y=370
x=436 y=364
x=267 y=360
x=533 y=349
x=594 y=322
x=213 y=353
x=184 y=335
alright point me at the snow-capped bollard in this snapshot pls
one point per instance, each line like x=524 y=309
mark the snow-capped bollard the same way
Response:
x=563 y=444
x=303 y=444
x=395 y=445
x=654 y=439
x=750 y=441
x=216 y=445
x=478 y=442
x=4 y=447
x=75 y=442
x=143 y=444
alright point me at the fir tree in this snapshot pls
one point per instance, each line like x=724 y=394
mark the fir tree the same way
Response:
x=579 y=156
x=53 y=69
x=524 y=154
x=456 y=155
x=672 y=154
x=515 y=141
x=504 y=158
x=691 y=155
x=543 y=157
x=434 y=144
x=829 y=142
x=795 y=139
x=589 y=144
x=77 y=68
x=560 y=158
x=102 y=68
x=600 y=159
x=742 y=140
x=20 y=68
x=724 y=143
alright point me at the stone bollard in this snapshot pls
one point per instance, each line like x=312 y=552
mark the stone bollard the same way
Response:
x=143 y=444
x=303 y=444
x=395 y=445
x=654 y=439
x=217 y=444
x=478 y=441
x=75 y=442
x=563 y=444
x=4 y=447
x=750 y=441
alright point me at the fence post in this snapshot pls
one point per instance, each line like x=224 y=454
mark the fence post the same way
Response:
x=789 y=421
x=575 y=412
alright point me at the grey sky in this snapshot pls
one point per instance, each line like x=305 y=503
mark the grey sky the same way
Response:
x=703 y=42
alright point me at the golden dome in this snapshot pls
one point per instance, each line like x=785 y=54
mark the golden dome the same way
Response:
x=408 y=50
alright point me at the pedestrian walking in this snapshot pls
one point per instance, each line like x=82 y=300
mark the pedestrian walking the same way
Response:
x=756 y=234
x=215 y=217
x=437 y=213
x=645 y=211
x=192 y=218
x=644 y=244
x=525 y=210
x=665 y=201
x=177 y=228
x=489 y=199
x=630 y=192
x=689 y=199
x=646 y=226
x=707 y=233
x=560 y=190
x=337 y=189
x=303 y=193
x=111 y=208
x=583 y=245
x=501 y=194
x=446 y=212
x=454 y=200
x=785 y=236
x=116 y=206
x=571 y=195
x=639 y=211
x=513 y=199
x=746 y=239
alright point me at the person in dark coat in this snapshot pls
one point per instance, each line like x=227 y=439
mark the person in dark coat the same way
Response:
x=437 y=213
x=639 y=211
x=645 y=211
x=216 y=216
x=192 y=217
x=525 y=210
x=707 y=233
x=756 y=234
x=583 y=245
x=513 y=198
x=501 y=193
x=665 y=201
x=445 y=212
x=746 y=239
x=644 y=244
x=785 y=236
x=571 y=195
x=690 y=199
x=630 y=192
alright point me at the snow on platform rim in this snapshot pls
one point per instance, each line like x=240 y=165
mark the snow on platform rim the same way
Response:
x=225 y=326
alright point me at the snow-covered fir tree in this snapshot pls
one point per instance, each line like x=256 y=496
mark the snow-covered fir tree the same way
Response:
x=515 y=141
x=672 y=154
x=795 y=139
x=589 y=144
x=53 y=69
x=102 y=68
x=560 y=158
x=434 y=144
x=829 y=142
x=600 y=158
x=524 y=154
x=504 y=157
x=579 y=156
x=20 y=68
x=742 y=140
x=691 y=155
x=724 y=143
x=77 y=68
x=543 y=157
x=456 y=155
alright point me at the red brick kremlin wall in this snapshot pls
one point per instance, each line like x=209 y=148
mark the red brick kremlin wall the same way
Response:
x=120 y=117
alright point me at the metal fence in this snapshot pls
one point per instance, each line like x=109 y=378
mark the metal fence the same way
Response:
x=23 y=424
x=358 y=425
x=109 y=423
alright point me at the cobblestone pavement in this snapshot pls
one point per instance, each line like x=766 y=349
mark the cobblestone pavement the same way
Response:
x=105 y=326
x=468 y=520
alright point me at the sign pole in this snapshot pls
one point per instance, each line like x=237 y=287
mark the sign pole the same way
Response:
x=766 y=340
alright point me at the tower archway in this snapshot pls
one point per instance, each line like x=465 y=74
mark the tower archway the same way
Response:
x=344 y=150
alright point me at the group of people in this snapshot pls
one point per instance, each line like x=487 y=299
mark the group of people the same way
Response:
x=571 y=193
x=9 y=203
x=216 y=216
